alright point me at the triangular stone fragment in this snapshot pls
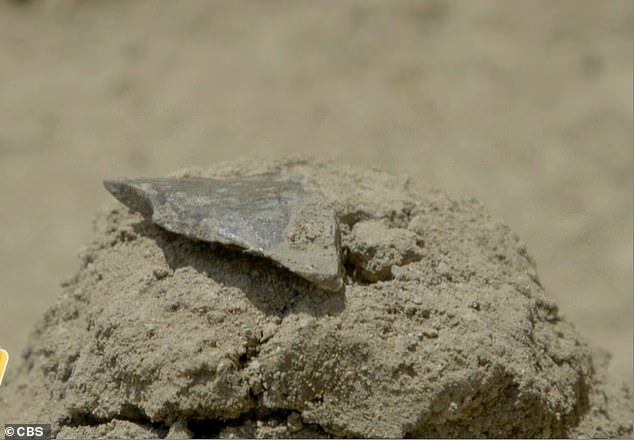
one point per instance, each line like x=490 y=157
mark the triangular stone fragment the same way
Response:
x=280 y=216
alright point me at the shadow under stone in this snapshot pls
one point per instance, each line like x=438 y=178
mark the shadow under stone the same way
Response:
x=271 y=288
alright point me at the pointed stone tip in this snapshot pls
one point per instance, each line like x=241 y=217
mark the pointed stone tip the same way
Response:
x=114 y=186
x=129 y=194
x=120 y=188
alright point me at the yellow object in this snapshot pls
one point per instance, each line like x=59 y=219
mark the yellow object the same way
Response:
x=4 y=359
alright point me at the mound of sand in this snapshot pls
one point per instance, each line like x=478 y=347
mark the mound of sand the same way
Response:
x=443 y=330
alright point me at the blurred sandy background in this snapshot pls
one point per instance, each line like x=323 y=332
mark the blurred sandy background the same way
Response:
x=525 y=105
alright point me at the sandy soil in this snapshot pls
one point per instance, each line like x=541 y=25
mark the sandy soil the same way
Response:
x=441 y=330
x=524 y=105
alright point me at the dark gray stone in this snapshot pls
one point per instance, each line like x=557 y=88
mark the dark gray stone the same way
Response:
x=280 y=216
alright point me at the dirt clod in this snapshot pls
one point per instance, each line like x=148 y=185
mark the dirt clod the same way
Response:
x=461 y=341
